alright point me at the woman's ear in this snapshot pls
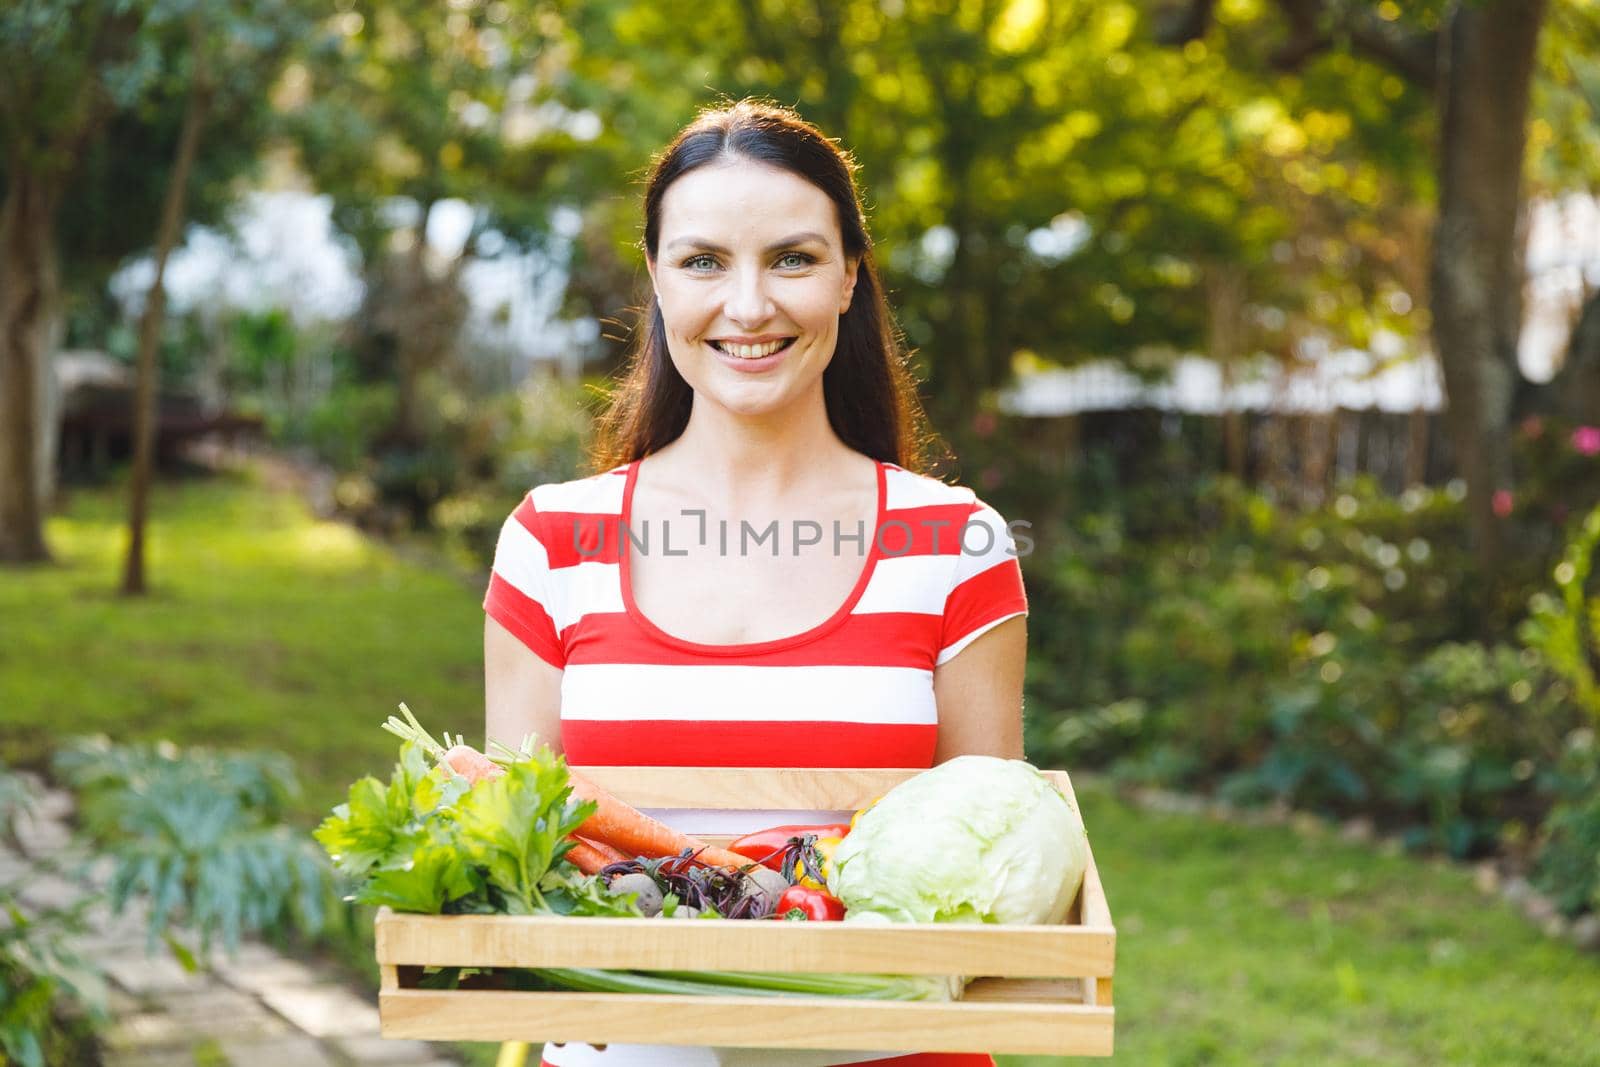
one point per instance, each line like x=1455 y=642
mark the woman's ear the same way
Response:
x=650 y=266
x=852 y=267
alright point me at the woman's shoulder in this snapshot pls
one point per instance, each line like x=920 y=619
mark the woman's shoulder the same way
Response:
x=593 y=494
x=908 y=489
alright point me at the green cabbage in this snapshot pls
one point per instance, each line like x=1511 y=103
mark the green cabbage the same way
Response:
x=975 y=839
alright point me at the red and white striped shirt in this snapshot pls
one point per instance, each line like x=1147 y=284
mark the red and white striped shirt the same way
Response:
x=854 y=691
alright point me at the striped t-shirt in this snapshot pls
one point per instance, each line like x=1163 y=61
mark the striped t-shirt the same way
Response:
x=854 y=691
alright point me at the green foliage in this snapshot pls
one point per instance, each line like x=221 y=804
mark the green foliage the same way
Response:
x=1569 y=857
x=513 y=442
x=343 y=427
x=427 y=843
x=196 y=834
x=1566 y=626
x=1321 y=659
x=476 y=458
x=49 y=994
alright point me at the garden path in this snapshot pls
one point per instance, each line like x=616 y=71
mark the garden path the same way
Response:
x=256 y=1008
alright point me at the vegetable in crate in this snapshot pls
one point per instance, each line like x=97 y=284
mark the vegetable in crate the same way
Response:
x=802 y=854
x=433 y=841
x=975 y=839
x=804 y=902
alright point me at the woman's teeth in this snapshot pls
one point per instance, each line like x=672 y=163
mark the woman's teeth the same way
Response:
x=751 y=351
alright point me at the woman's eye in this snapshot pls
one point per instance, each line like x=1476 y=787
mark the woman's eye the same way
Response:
x=794 y=259
x=700 y=262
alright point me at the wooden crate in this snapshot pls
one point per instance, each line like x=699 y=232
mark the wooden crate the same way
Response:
x=1046 y=989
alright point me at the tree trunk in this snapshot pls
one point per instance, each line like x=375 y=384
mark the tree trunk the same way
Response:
x=1477 y=272
x=28 y=297
x=144 y=414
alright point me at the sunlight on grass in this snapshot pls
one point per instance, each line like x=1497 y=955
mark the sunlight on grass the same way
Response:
x=332 y=546
x=263 y=627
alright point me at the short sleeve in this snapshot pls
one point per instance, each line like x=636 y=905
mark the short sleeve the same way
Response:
x=986 y=587
x=520 y=587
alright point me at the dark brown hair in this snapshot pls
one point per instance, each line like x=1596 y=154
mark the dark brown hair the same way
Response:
x=870 y=394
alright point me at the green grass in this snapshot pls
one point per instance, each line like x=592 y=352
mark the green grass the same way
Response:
x=1237 y=945
x=264 y=627
x=1249 y=945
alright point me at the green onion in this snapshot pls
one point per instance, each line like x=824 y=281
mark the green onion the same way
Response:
x=756 y=983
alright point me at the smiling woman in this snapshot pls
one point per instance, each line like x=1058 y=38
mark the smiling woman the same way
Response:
x=767 y=391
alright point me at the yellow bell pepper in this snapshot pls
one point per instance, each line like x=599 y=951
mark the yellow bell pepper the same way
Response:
x=824 y=847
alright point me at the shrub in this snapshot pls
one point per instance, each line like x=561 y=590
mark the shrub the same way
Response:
x=1323 y=659
x=197 y=834
x=1569 y=859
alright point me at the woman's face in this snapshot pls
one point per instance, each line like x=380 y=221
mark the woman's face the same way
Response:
x=751 y=277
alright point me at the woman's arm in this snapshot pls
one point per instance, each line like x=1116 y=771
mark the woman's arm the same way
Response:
x=522 y=693
x=979 y=695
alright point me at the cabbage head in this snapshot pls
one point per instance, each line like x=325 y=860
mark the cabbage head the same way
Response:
x=975 y=839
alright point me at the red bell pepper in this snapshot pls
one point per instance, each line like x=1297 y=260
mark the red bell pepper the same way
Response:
x=803 y=902
x=768 y=847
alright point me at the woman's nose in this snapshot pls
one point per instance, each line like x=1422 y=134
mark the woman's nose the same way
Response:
x=748 y=303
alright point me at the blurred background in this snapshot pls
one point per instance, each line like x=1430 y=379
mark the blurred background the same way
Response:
x=1279 y=320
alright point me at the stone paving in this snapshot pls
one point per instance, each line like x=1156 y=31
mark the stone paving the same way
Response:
x=257 y=1008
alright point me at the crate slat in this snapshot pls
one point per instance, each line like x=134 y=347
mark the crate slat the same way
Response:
x=688 y=944
x=764 y=1022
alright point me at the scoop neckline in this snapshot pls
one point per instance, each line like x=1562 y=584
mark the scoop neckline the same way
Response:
x=750 y=647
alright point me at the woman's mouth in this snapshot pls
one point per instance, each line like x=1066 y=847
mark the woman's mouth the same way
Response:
x=760 y=351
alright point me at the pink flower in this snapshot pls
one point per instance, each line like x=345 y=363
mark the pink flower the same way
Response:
x=1501 y=502
x=1586 y=440
x=984 y=423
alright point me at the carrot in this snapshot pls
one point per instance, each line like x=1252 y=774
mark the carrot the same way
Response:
x=625 y=827
x=613 y=854
x=587 y=856
x=471 y=764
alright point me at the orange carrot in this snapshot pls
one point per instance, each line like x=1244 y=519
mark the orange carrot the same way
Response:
x=471 y=764
x=587 y=856
x=612 y=854
x=625 y=827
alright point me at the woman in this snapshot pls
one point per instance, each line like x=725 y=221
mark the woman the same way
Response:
x=758 y=576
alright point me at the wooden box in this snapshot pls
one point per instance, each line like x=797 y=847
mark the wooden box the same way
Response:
x=1046 y=989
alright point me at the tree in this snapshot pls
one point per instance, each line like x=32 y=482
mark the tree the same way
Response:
x=405 y=109
x=65 y=66
x=248 y=40
x=1043 y=181
x=1476 y=62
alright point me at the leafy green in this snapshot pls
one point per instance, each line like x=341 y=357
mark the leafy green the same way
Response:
x=430 y=842
x=434 y=874
x=515 y=827
x=380 y=826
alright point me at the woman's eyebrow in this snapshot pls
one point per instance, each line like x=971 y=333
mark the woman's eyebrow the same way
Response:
x=710 y=246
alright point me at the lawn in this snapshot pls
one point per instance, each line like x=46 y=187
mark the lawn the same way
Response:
x=1237 y=945
x=265 y=627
